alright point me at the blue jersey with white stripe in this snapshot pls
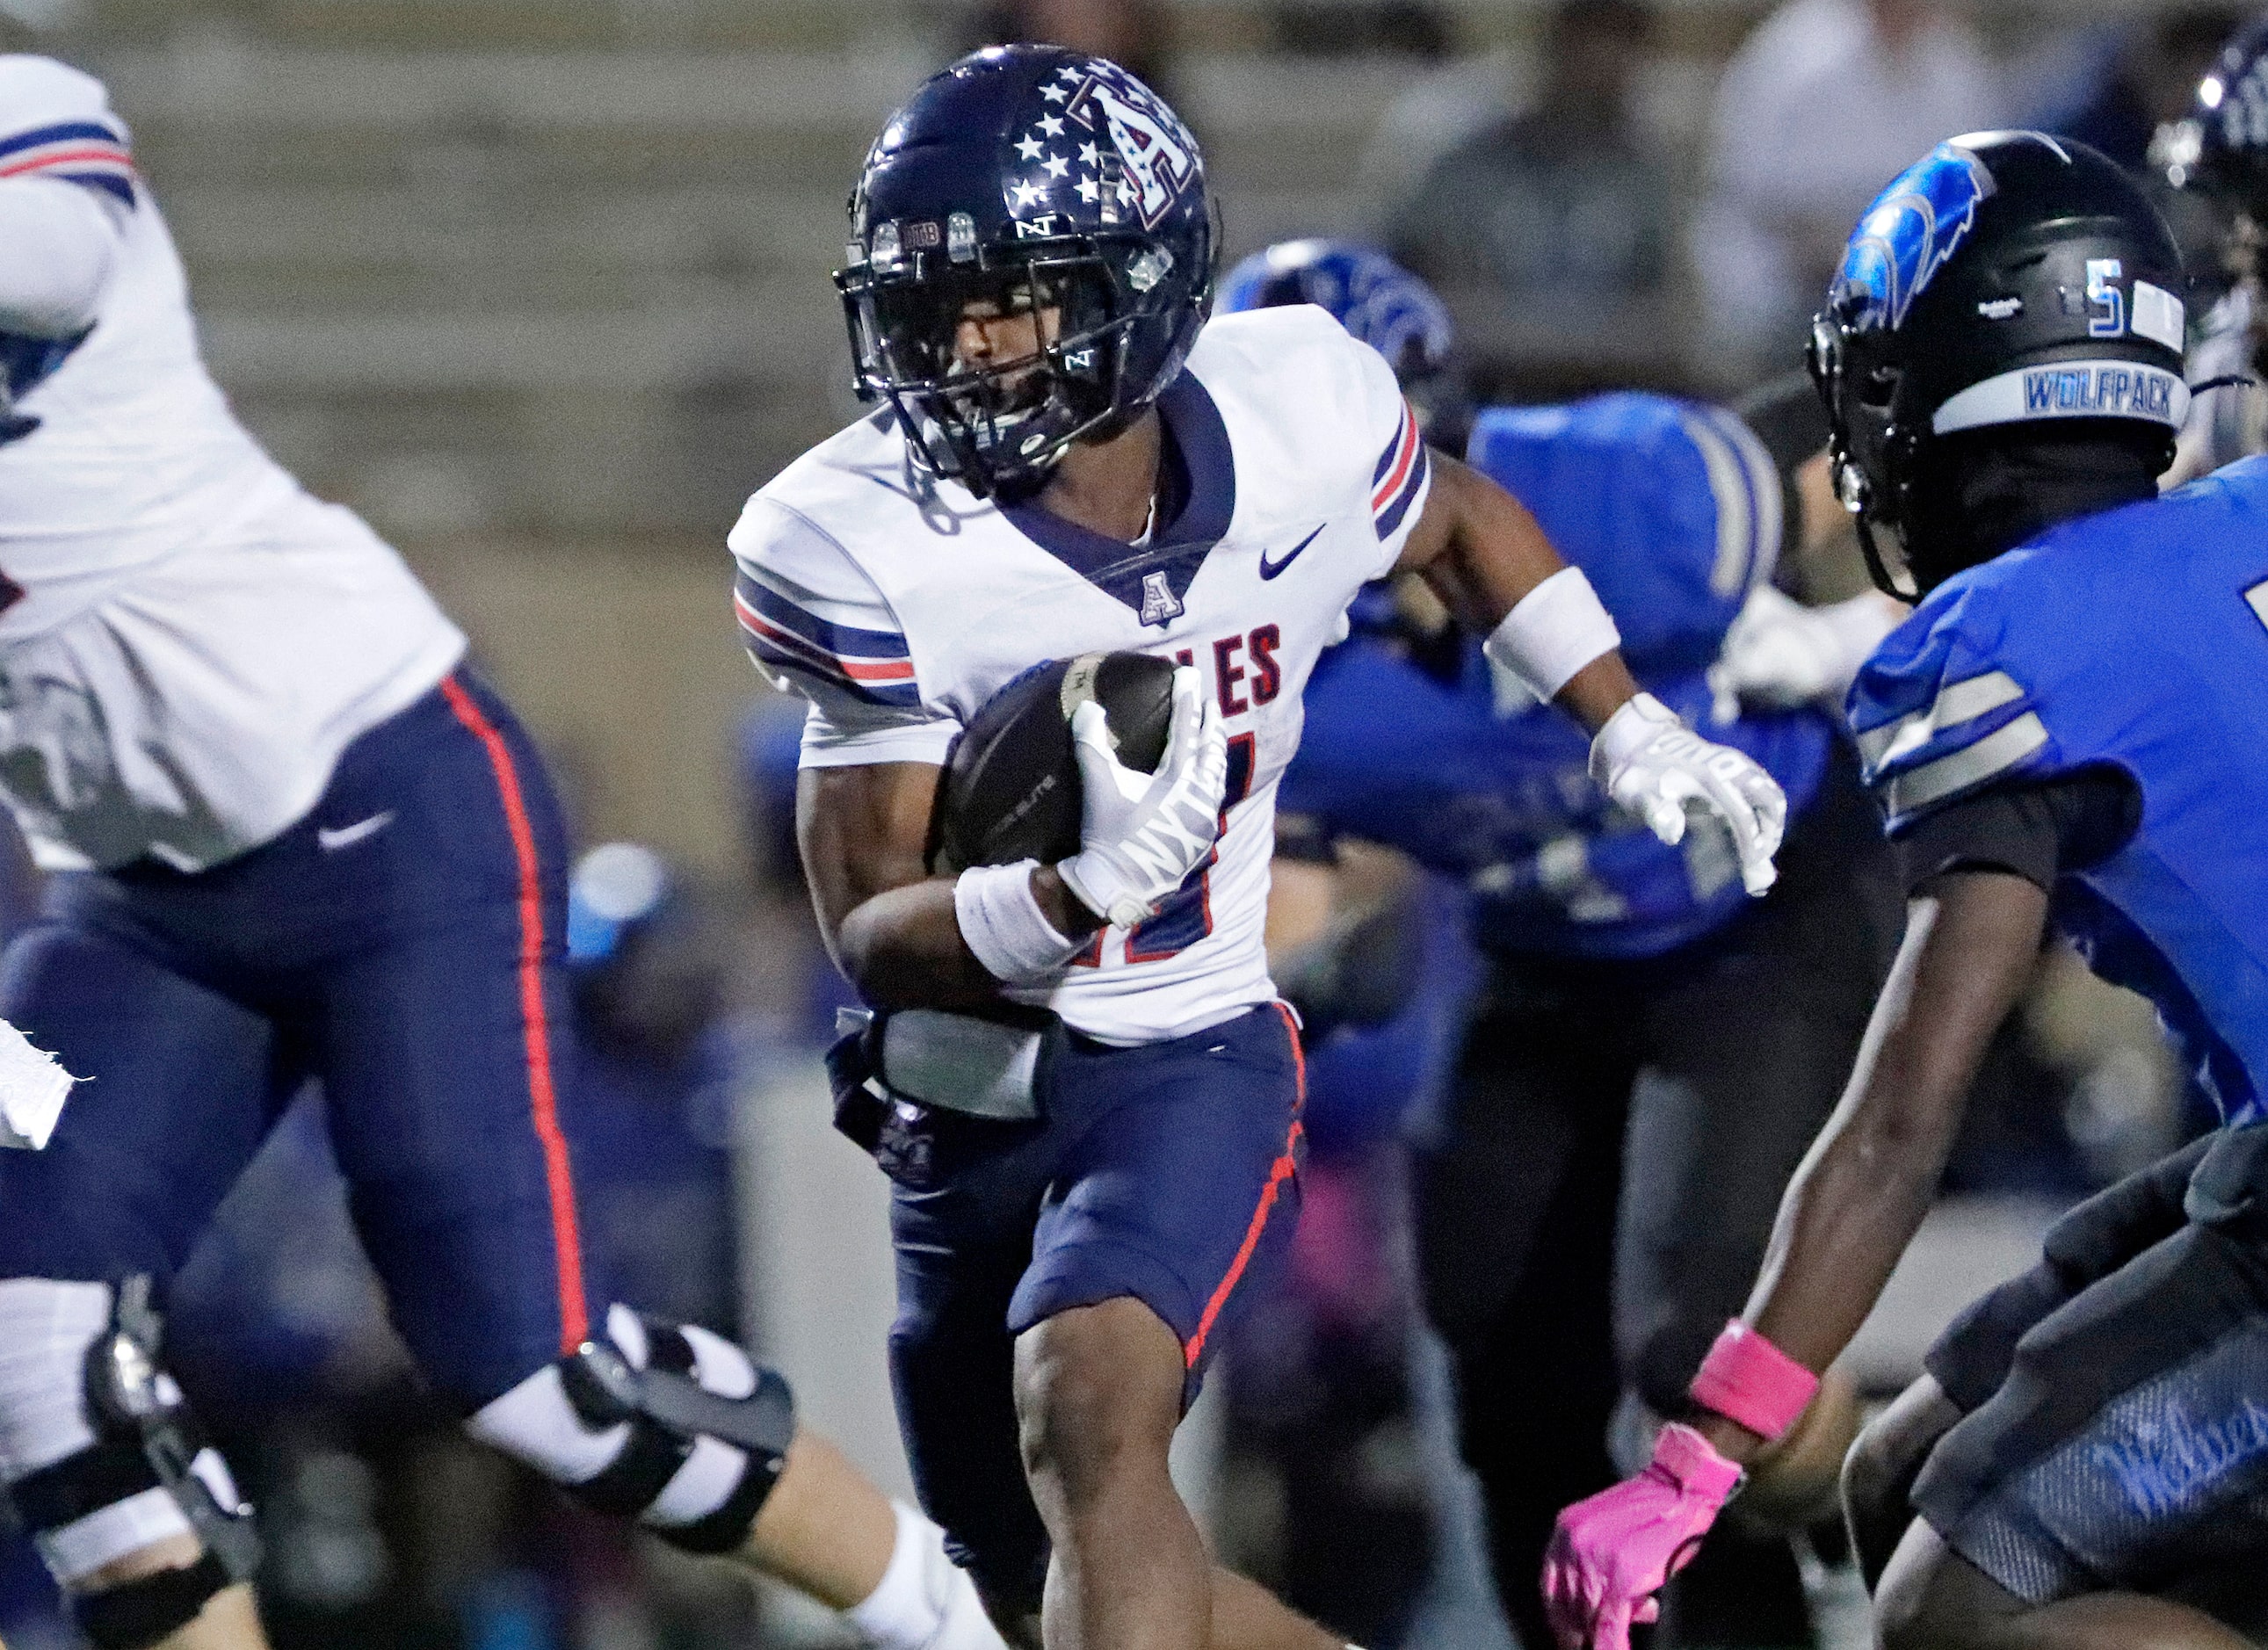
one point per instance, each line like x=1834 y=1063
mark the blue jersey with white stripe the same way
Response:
x=1506 y=804
x=1671 y=508
x=1672 y=511
x=2137 y=640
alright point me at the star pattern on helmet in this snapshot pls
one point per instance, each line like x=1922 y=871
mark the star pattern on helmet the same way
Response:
x=1068 y=161
x=1070 y=168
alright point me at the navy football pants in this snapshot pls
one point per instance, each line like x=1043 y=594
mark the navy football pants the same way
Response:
x=402 y=943
x=1168 y=1173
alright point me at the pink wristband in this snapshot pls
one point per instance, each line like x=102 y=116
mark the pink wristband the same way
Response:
x=1747 y=1378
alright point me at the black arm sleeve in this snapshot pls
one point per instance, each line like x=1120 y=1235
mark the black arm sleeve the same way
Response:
x=2034 y=830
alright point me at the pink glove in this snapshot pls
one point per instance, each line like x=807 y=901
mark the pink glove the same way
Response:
x=1611 y=1553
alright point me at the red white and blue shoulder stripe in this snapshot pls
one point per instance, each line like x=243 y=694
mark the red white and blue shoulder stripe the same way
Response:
x=1400 y=476
x=91 y=153
x=790 y=640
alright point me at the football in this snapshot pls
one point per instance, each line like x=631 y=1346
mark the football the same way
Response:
x=1010 y=789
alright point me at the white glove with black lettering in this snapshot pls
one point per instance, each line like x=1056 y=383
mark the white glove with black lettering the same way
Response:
x=1655 y=766
x=1142 y=834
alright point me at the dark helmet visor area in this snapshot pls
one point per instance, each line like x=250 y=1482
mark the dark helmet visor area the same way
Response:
x=931 y=342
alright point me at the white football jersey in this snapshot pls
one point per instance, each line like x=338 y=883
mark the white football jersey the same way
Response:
x=898 y=605
x=187 y=639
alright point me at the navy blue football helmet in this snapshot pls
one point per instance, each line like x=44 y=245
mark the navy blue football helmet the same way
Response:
x=1376 y=300
x=2005 y=278
x=1026 y=179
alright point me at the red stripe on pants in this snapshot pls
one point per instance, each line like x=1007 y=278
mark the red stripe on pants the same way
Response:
x=535 y=1024
x=1283 y=1169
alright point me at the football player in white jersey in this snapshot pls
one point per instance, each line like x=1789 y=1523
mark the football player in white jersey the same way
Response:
x=1083 y=1084
x=292 y=838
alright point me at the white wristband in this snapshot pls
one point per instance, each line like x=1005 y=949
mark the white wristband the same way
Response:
x=1556 y=630
x=1005 y=930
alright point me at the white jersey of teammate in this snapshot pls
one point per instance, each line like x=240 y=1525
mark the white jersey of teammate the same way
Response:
x=189 y=640
x=898 y=605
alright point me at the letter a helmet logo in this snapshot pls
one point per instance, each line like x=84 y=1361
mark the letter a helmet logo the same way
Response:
x=1155 y=150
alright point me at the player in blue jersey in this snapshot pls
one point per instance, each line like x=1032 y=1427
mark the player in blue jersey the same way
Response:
x=1650 y=1052
x=2063 y=733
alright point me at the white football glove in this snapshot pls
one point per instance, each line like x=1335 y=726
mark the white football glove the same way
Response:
x=1782 y=653
x=1655 y=766
x=1142 y=834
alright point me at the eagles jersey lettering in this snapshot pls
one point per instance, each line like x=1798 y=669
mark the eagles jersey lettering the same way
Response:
x=2136 y=639
x=1672 y=511
x=897 y=606
x=188 y=640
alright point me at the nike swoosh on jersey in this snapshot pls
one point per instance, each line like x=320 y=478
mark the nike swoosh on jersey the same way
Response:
x=1269 y=569
x=347 y=835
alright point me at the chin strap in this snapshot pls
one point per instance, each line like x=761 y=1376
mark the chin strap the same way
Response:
x=1878 y=568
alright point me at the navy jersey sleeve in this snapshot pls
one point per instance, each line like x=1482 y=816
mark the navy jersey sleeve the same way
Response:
x=1938 y=713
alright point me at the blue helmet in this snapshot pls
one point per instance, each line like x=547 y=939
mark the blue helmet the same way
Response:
x=1032 y=179
x=1366 y=292
x=1375 y=299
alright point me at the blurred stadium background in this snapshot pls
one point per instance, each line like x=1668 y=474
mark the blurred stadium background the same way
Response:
x=541 y=288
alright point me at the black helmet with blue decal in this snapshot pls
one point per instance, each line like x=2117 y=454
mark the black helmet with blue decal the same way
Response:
x=2006 y=278
x=1027 y=180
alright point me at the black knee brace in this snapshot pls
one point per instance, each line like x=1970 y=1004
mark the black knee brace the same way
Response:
x=145 y=1438
x=668 y=1413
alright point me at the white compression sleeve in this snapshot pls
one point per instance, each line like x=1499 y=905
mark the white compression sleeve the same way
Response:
x=57 y=244
x=1553 y=631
